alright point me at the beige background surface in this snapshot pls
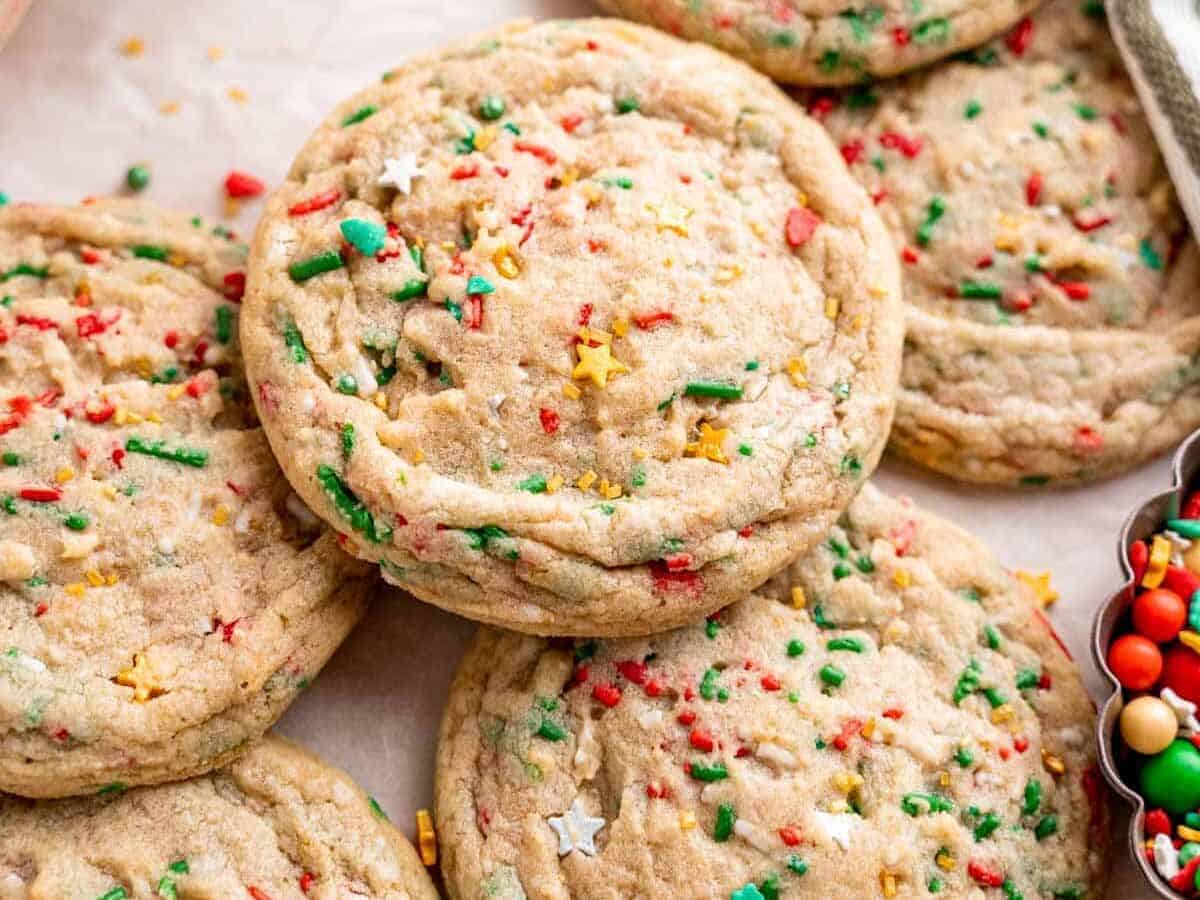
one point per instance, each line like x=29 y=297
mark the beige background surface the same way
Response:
x=75 y=113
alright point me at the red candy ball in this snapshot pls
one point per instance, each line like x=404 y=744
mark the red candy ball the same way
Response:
x=1159 y=614
x=1181 y=672
x=1136 y=662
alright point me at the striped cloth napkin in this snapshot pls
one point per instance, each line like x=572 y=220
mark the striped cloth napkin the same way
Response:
x=1160 y=41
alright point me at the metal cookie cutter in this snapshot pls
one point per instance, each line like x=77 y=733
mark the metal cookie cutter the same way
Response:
x=1115 y=761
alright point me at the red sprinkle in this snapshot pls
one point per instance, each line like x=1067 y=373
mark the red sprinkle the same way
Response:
x=1087 y=440
x=1021 y=37
x=314 y=203
x=984 y=875
x=465 y=171
x=40 y=495
x=90 y=325
x=476 y=321
x=701 y=740
x=1075 y=290
x=118 y=457
x=102 y=414
x=901 y=37
x=545 y=154
x=306 y=881
x=909 y=255
x=665 y=581
x=257 y=894
x=570 y=122
x=770 y=683
x=850 y=728
x=790 y=835
x=679 y=562
x=801 y=224
x=650 y=321
x=606 y=693
x=235 y=286
x=632 y=670
x=239 y=184
x=1033 y=188
x=687 y=717
x=893 y=713
x=852 y=151
x=549 y=419
x=893 y=140
x=1086 y=222
x=39 y=322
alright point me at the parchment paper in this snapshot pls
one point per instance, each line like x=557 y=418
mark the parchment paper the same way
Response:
x=75 y=112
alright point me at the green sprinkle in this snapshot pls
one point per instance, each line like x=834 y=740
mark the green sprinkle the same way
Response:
x=117 y=893
x=994 y=697
x=76 y=521
x=1033 y=797
x=935 y=885
x=347 y=384
x=850 y=465
x=745 y=450
x=185 y=455
x=865 y=564
x=1150 y=257
x=970 y=594
x=832 y=675
x=708 y=684
x=25 y=269
x=479 y=538
x=9 y=504
x=627 y=105
x=11 y=459
x=363 y=112
x=795 y=647
x=347 y=439
x=937 y=209
x=932 y=31
x=368 y=238
x=112 y=788
x=752 y=365
x=137 y=178
x=3 y=199
x=973 y=108
x=454 y=309
x=166 y=888
x=1034 y=480
x=325 y=261
x=535 y=484
x=295 y=342
x=980 y=290
x=1085 y=112
x=662 y=406
x=477 y=284
x=512 y=128
x=715 y=772
x=724 y=825
x=968 y=682
x=842 y=550
x=829 y=60
x=491 y=108
x=1041 y=129
x=818 y=616
x=991 y=637
x=637 y=476
x=414 y=287
x=1188 y=528
x=150 y=251
x=769 y=887
x=964 y=757
x=852 y=644
x=551 y=731
x=986 y=826
x=180 y=867
x=713 y=389
x=349 y=506
x=1011 y=892
x=224 y=324
x=797 y=865
x=1027 y=679
x=916 y=802
x=377 y=810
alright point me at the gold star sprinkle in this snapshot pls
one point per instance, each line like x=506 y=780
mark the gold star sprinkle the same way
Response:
x=709 y=444
x=597 y=363
x=133 y=46
x=1040 y=585
x=671 y=216
x=141 y=678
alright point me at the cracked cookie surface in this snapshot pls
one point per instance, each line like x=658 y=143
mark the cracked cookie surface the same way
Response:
x=276 y=823
x=574 y=328
x=819 y=42
x=1052 y=283
x=163 y=594
x=892 y=716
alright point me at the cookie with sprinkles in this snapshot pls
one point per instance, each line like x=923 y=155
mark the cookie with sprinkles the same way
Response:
x=571 y=339
x=1053 y=285
x=816 y=42
x=163 y=593
x=276 y=823
x=891 y=717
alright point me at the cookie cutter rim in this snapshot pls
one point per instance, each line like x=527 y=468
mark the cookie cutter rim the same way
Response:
x=1141 y=523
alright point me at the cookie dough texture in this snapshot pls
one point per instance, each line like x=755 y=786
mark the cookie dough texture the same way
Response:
x=276 y=823
x=1053 y=285
x=818 y=42
x=626 y=344
x=913 y=727
x=163 y=595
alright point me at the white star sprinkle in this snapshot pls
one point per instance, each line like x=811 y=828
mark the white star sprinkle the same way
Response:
x=576 y=830
x=399 y=173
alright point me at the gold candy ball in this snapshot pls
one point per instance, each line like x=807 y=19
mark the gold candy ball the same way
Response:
x=1148 y=725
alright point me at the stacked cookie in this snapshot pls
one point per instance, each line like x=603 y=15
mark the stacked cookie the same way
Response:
x=594 y=336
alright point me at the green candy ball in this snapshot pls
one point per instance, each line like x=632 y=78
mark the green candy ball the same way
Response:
x=1172 y=778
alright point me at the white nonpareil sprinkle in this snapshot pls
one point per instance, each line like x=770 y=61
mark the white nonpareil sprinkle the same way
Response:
x=838 y=826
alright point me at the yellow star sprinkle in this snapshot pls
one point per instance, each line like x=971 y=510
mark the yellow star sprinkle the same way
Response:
x=798 y=598
x=141 y=678
x=1040 y=585
x=797 y=369
x=671 y=217
x=586 y=480
x=709 y=444
x=597 y=363
x=901 y=578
